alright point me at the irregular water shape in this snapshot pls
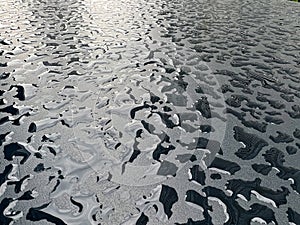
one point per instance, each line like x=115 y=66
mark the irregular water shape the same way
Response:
x=69 y=70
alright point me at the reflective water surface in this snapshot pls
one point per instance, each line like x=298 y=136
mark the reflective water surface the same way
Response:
x=149 y=112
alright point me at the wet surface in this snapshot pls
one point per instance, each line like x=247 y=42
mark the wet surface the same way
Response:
x=149 y=112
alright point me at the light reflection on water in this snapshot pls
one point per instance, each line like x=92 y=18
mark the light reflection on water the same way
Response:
x=105 y=102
